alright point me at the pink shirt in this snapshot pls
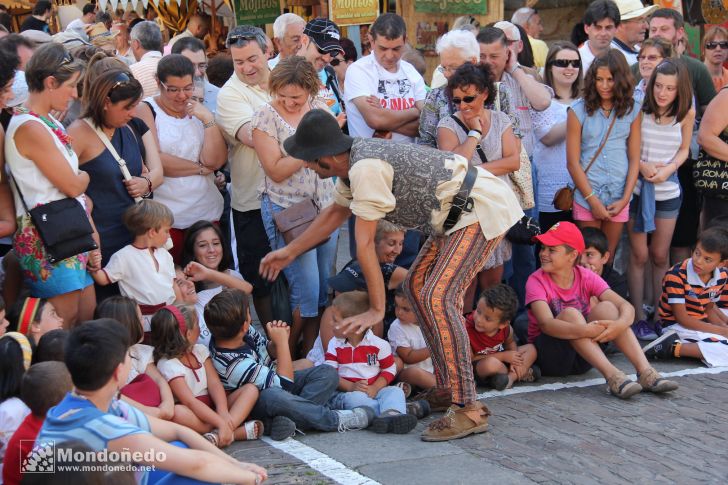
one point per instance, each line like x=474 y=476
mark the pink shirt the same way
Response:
x=540 y=287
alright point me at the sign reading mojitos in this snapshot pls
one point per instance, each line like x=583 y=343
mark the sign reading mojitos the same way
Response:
x=256 y=12
x=472 y=7
x=353 y=12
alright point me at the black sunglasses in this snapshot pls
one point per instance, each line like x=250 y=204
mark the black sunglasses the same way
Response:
x=712 y=45
x=564 y=63
x=67 y=59
x=465 y=99
x=336 y=61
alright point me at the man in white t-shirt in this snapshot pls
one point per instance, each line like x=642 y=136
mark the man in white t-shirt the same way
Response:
x=384 y=94
x=81 y=25
x=601 y=20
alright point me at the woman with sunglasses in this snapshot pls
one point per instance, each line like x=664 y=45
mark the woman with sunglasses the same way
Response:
x=652 y=52
x=294 y=89
x=191 y=148
x=563 y=74
x=484 y=137
x=715 y=50
x=110 y=98
x=667 y=129
x=45 y=168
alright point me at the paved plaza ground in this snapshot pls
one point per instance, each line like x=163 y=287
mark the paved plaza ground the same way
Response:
x=555 y=431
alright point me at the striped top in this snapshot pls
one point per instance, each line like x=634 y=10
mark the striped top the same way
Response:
x=683 y=286
x=369 y=360
x=660 y=143
x=250 y=363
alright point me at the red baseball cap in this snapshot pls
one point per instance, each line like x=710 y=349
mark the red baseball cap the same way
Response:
x=563 y=233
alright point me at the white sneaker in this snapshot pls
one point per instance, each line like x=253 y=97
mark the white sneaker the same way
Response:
x=357 y=418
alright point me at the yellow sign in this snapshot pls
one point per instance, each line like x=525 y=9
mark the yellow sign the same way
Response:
x=353 y=12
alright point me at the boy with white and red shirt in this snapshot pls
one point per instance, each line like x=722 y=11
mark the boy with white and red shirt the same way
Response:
x=567 y=331
x=366 y=367
x=497 y=359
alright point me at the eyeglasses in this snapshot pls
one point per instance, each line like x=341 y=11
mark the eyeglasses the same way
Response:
x=175 y=90
x=652 y=58
x=446 y=69
x=712 y=45
x=564 y=63
x=121 y=79
x=336 y=61
x=464 y=99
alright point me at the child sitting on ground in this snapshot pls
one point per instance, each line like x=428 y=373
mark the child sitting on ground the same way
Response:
x=567 y=330
x=288 y=399
x=144 y=269
x=366 y=368
x=203 y=404
x=497 y=359
x=145 y=388
x=38 y=317
x=43 y=386
x=408 y=343
x=694 y=304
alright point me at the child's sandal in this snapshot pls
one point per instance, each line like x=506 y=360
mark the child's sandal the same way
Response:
x=253 y=430
x=406 y=388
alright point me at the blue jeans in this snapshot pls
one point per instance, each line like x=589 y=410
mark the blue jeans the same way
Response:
x=310 y=267
x=523 y=256
x=387 y=398
x=305 y=402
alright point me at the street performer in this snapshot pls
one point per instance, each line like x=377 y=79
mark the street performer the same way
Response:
x=464 y=210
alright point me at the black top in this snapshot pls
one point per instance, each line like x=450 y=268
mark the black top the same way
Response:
x=32 y=23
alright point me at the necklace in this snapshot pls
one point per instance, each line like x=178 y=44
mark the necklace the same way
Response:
x=56 y=129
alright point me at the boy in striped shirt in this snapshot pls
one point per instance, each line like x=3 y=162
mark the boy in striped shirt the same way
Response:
x=694 y=304
x=366 y=369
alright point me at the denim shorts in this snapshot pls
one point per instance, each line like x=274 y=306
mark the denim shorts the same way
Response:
x=309 y=273
x=664 y=209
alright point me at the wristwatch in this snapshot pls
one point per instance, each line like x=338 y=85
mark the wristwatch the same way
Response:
x=477 y=134
x=516 y=66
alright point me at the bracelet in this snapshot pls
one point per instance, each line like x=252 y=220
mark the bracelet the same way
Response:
x=209 y=124
x=477 y=134
x=587 y=197
x=149 y=187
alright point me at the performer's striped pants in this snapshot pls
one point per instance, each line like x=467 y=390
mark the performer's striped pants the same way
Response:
x=435 y=286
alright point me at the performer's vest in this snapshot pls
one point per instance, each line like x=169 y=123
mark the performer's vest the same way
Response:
x=418 y=171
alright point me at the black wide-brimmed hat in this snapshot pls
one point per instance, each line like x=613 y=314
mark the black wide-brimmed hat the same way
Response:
x=318 y=135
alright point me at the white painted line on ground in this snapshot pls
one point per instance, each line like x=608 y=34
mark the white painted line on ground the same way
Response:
x=594 y=382
x=321 y=462
x=340 y=473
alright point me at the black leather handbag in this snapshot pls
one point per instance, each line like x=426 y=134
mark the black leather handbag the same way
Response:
x=63 y=226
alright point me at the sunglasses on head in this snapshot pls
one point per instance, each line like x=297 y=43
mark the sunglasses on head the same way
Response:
x=714 y=44
x=67 y=59
x=464 y=99
x=234 y=39
x=121 y=79
x=564 y=63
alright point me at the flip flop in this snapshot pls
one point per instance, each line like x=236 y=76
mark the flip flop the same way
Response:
x=253 y=430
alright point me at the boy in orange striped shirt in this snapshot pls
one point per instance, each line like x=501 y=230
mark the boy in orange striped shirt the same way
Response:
x=694 y=304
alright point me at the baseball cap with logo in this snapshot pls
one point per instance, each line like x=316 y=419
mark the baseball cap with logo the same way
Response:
x=325 y=34
x=563 y=233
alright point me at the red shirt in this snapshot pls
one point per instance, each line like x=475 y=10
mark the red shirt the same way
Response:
x=16 y=451
x=482 y=344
